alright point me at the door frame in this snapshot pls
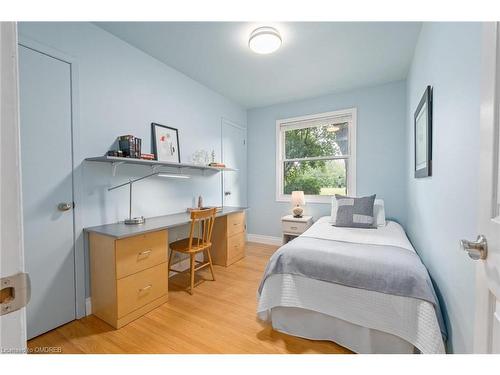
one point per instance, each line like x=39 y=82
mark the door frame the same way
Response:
x=225 y=120
x=489 y=115
x=77 y=174
x=13 y=324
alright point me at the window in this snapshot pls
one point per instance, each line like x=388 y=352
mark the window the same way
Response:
x=316 y=154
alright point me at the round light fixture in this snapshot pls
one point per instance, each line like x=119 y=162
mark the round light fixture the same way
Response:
x=264 y=40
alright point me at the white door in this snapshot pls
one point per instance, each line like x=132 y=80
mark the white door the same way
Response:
x=487 y=325
x=234 y=155
x=47 y=180
x=12 y=324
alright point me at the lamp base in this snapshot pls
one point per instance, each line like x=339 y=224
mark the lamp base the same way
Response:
x=297 y=211
x=135 y=220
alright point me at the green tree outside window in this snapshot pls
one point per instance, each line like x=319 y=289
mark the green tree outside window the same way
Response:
x=316 y=177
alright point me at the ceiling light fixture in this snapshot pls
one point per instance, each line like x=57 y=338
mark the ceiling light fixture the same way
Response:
x=264 y=40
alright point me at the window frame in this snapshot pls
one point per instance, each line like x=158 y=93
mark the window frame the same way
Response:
x=294 y=123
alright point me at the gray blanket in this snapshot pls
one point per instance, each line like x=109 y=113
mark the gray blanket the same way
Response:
x=385 y=269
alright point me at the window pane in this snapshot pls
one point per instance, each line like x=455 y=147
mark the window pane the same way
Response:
x=323 y=140
x=321 y=177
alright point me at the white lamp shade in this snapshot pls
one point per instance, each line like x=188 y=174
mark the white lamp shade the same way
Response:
x=298 y=198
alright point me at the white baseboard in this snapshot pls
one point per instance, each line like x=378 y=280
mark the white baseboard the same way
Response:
x=268 y=240
x=183 y=265
x=88 y=306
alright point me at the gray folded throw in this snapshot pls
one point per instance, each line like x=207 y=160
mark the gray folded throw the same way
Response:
x=385 y=269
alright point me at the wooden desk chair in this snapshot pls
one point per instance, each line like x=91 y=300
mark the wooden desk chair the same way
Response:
x=203 y=222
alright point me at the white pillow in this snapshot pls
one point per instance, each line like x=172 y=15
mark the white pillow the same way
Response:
x=333 y=214
x=378 y=212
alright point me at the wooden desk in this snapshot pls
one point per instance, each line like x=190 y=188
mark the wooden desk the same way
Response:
x=128 y=263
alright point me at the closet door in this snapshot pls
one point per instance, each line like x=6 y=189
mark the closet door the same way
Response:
x=234 y=155
x=47 y=179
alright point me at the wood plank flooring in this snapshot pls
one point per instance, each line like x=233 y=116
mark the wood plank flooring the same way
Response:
x=219 y=318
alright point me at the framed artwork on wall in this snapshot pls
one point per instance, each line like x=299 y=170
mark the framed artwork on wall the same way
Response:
x=423 y=135
x=165 y=143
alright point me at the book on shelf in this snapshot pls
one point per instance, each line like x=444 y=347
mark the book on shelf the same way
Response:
x=137 y=143
x=130 y=146
x=126 y=144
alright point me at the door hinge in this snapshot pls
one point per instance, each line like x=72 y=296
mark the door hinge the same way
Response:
x=15 y=292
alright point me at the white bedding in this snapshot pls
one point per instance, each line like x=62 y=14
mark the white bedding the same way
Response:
x=392 y=234
x=313 y=325
x=411 y=319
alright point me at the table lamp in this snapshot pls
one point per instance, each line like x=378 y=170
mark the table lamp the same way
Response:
x=298 y=200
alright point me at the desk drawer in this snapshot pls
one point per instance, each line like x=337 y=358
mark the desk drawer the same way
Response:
x=235 y=248
x=294 y=227
x=137 y=290
x=235 y=223
x=134 y=254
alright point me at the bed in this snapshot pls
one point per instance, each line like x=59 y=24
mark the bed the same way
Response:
x=365 y=289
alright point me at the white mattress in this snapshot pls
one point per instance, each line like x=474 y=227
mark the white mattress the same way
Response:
x=392 y=234
x=411 y=319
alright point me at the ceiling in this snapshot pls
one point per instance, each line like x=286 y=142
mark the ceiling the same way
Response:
x=316 y=58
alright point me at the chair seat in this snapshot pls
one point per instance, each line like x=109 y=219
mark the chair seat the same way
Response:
x=183 y=245
x=203 y=220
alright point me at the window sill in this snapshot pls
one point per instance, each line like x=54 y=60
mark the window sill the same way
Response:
x=325 y=199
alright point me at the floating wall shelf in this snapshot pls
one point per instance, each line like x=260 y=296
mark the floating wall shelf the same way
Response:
x=154 y=164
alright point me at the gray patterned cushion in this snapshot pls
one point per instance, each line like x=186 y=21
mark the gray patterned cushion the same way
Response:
x=355 y=212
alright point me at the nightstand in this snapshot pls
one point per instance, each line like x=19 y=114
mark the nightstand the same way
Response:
x=294 y=226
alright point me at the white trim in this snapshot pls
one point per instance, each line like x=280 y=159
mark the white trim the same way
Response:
x=351 y=177
x=88 y=306
x=232 y=123
x=315 y=158
x=338 y=113
x=487 y=289
x=268 y=240
x=12 y=325
x=80 y=301
x=180 y=265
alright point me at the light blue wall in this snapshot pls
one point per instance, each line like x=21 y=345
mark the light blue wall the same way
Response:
x=381 y=147
x=121 y=91
x=442 y=208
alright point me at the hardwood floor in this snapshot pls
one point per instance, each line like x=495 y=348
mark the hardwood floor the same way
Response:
x=219 y=318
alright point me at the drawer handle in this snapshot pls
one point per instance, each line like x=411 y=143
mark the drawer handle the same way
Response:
x=145 y=252
x=235 y=223
x=147 y=287
x=293 y=227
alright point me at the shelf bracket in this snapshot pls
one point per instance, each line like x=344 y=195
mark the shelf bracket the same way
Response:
x=114 y=167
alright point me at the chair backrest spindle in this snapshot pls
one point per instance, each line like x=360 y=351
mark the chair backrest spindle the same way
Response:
x=203 y=221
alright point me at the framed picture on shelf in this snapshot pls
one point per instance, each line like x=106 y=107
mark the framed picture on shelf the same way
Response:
x=165 y=143
x=423 y=135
